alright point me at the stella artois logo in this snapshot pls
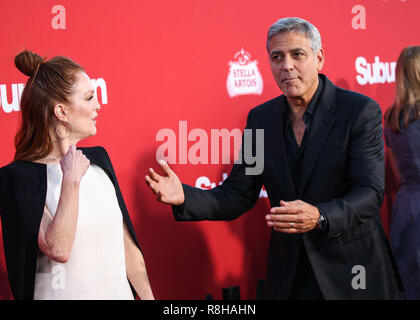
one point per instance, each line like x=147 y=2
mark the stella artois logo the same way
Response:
x=244 y=76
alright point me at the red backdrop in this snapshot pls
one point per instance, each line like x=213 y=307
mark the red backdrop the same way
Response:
x=159 y=63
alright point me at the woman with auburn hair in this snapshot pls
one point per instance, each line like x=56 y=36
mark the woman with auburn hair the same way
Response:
x=402 y=135
x=66 y=230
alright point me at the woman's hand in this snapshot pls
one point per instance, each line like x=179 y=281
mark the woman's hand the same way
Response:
x=74 y=165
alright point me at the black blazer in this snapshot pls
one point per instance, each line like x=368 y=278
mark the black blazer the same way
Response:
x=23 y=189
x=343 y=175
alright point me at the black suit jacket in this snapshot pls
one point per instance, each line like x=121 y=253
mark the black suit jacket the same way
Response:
x=342 y=174
x=23 y=189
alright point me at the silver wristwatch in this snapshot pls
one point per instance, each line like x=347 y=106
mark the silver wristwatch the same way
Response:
x=320 y=221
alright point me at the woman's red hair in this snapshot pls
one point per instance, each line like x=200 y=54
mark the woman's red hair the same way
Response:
x=49 y=83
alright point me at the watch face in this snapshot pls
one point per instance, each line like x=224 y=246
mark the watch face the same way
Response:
x=320 y=221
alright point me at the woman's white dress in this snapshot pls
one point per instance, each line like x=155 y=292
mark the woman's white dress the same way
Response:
x=96 y=267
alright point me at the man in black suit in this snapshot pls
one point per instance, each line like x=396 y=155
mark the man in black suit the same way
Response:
x=323 y=171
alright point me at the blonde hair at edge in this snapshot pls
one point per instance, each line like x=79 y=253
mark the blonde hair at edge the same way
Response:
x=407 y=100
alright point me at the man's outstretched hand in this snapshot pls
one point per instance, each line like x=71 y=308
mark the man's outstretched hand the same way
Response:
x=168 y=188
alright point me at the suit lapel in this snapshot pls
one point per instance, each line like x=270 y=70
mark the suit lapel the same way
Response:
x=277 y=148
x=321 y=126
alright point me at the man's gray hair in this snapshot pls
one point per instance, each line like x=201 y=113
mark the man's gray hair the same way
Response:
x=297 y=25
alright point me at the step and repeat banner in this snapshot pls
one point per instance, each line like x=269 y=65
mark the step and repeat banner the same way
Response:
x=185 y=74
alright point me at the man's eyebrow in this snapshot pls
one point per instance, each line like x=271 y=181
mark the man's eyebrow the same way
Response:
x=291 y=50
x=275 y=52
x=297 y=49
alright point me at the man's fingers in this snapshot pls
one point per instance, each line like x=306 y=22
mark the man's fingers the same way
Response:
x=165 y=167
x=291 y=217
x=290 y=209
x=154 y=186
x=148 y=180
x=283 y=218
x=295 y=229
x=291 y=203
x=151 y=184
x=288 y=230
x=288 y=225
x=153 y=175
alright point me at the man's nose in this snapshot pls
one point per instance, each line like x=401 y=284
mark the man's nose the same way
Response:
x=288 y=63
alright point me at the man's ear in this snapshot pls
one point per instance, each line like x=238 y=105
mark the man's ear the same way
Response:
x=60 y=111
x=320 y=59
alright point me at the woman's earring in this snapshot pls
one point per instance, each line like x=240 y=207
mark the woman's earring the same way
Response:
x=63 y=126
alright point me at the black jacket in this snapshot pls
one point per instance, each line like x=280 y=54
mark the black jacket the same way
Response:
x=23 y=189
x=343 y=174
